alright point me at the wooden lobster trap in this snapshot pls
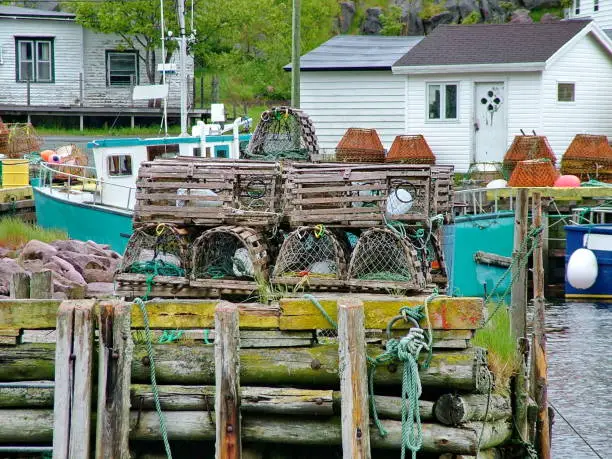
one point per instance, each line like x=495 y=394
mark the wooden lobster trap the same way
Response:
x=384 y=261
x=312 y=258
x=356 y=195
x=588 y=157
x=156 y=262
x=229 y=260
x=442 y=191
x=208 y=192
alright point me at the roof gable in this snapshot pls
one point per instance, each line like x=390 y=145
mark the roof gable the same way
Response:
x=25 y=13
x=357 y=52
x=485 y=44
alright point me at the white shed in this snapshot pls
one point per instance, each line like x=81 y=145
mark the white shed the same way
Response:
x=598 y=10
x=471 y=89
x=347 y=82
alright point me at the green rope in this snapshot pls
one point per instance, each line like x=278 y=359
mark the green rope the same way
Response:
x=206 y=336
x=407 y=351
x=386 y=276
x=156 y=267
x=170 y=336
x=595 y=183
x=143 y=308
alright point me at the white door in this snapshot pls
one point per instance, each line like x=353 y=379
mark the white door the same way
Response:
x=490 y=122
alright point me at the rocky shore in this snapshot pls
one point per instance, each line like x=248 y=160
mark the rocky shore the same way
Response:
x=80 y=269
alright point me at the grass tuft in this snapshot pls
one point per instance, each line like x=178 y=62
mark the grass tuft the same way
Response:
x=15 y=233
x=497 y=338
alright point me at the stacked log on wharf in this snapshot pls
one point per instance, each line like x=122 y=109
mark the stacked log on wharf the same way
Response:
x=224 y=228
x=269 y=381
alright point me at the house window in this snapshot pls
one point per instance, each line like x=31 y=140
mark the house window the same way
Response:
x=442 y=101
x=577 y=7
x=595 y=5
x=119 y=165
x=121 y=68
x=566 y=92
x=34 y=59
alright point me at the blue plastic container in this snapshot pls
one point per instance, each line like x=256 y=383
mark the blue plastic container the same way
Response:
x=598 y=239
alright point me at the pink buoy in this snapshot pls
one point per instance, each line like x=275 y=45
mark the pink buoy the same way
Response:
x=567 y=181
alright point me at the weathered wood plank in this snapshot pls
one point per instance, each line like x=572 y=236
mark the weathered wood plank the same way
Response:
x=445 y=313
x=27 y=397
x=304 y=367
x=492 y=259
x=228 y=443
x=114 y=374
x=353 y=379
x=19 y=285
x=64 y=366
x=31 y=314
x=41 y=284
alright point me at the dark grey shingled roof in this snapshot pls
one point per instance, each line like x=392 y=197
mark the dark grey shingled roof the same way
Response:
x=15 y=11
x=491 y=43
x=357 y=52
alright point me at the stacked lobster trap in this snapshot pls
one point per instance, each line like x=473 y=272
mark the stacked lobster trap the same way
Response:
x=227 y=228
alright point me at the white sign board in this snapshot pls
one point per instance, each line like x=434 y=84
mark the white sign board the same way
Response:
x=153 y=91
x=217 y=113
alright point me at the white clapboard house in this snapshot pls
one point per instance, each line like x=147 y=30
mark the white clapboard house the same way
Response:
x=47 y=59
x=471 y=88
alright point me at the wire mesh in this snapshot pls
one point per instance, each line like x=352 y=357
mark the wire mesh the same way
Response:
x=229 y=253
x=411 y=149
x=157 y=249
x=313 y=253
x=4 y=138
x=360 y=146
x=283 y=133
x=533 y=173
x=587 y=146
x=528 y=147
x=22 y=139
x=384 y=256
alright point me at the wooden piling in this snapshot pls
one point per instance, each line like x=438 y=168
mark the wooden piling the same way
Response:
x=353 y=379
x=73 y=380
x=114 y=374
x=19 y=286
x=41 y=284
x=539 y=364
x=519 y=269
x=227 y=382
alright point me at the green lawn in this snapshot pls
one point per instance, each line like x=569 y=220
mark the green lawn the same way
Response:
x=15 y=233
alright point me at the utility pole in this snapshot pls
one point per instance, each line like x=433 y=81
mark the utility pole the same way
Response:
x=182 y=68
x=295 y=56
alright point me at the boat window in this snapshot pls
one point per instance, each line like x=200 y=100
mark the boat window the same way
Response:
x=162 y=151
x=119 y=165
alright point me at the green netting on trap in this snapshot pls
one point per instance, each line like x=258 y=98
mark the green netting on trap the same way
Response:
x=157 y=249
x=283 y=133
x=382 y=255
x=226 y=253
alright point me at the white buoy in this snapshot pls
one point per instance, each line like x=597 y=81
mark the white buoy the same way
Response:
x=582 y=269
x=399 y=202
x=498 y=183
x=323 y=267
x=242 y=263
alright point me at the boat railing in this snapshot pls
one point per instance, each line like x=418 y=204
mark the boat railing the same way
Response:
x=478 y=201
x=50 y=173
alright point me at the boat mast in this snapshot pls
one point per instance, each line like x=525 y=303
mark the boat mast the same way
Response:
x=182 y=68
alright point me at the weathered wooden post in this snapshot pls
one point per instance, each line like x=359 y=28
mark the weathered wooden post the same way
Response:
x=519 y=268
x=539 y=364
x=41 y=284
x=519 y=312
x=227 y=382
x=353 y=379
x=73 y=380
x=114 y=374
x=19 y=286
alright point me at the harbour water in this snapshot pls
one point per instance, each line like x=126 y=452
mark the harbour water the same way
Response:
x=580 y=377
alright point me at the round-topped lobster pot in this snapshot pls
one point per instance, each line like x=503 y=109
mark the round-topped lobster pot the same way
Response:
x=229 y=260
x=312 y=258
x=384 y=260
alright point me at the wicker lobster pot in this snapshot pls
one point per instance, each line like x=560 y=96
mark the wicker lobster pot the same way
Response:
x=4 y=138
x=383 y=260
x=311 y=258
x=410 y=149
x=588 y=157
x=208 y=192
x=22 y=139
x=356 y=195
x=159 y=250
x=229 y=260
x=360 y=146
x=533 y=173
x=527 y=147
